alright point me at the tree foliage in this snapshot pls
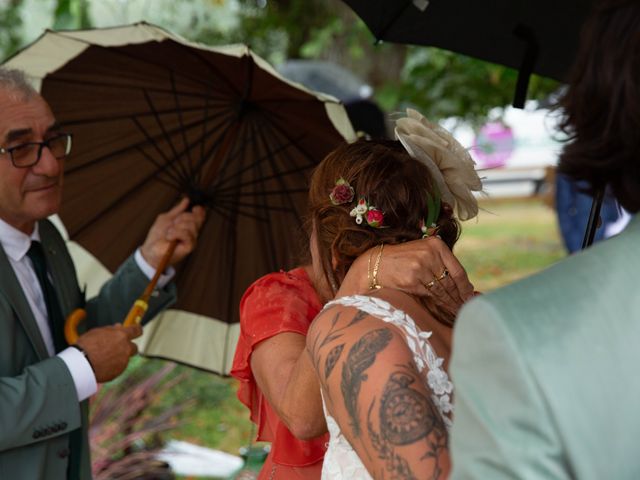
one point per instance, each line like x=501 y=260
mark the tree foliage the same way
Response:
x=10 y=26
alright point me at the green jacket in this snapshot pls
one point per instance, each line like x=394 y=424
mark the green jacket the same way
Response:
x=38 y=401
x=546 y=372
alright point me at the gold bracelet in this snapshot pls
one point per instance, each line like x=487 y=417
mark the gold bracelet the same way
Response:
x=374 y=283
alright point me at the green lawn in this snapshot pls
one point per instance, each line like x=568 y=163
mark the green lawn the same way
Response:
x=508 y=241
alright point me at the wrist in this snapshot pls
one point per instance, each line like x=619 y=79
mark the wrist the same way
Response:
x=85 y=354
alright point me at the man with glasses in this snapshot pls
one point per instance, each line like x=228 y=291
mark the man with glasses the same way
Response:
x=44 y=383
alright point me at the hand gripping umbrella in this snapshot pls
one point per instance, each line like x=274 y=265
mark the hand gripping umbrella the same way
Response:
x=532 y=36
x=156 y=118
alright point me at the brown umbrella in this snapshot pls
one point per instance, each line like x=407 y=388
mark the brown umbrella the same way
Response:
x=154 y=118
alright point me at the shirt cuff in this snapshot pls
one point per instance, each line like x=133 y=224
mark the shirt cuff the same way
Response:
x=149 y=271
x=83 y=377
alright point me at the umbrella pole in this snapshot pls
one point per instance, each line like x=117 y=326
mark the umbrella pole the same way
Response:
x=594 y=216
x=139 y=308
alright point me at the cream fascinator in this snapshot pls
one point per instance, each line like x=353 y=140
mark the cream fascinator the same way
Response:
x=450 y=164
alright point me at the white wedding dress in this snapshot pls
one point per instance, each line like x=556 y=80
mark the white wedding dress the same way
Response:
x=340 y=460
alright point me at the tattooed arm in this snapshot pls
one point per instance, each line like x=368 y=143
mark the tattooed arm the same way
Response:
x=374 y=392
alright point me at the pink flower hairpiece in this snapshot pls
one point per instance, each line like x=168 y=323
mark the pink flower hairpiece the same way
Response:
x=342 y=192
x=365 y=212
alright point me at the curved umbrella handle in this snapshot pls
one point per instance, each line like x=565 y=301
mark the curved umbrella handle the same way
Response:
x=71 y=325
x=139 y=308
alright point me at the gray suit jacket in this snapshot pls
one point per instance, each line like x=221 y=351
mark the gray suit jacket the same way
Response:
x=38 y=401
x=546 y=372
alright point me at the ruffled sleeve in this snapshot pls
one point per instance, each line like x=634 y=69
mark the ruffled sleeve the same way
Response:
x=276 y=303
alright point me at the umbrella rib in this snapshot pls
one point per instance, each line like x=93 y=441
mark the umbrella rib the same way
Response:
x=211 y=67
x=265 y=226
x=235 y=151
x=262 y=193
x=250 y=167
x=392 y=19
x=180 y=120
x=197 y=171
x=281 y=131
x=122 y=150
x=169 y=164
x=263 y=179
x=240 y=115
x=145 y=60
x=280 y=180
x=182 y=172
x=85 y=121
x=117 y=201
x=260 y=205
x=202 y=143
x=162 y=167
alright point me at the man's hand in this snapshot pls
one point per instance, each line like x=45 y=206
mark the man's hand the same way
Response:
x=176 y=224
x=411 y=267
x=109 y=349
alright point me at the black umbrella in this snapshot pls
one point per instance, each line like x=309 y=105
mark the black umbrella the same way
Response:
x=532 y=36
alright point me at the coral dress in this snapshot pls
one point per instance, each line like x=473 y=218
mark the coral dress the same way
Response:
x=277 y=303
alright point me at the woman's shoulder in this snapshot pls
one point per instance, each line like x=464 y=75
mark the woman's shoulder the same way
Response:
x=282 y=287
x=350 y=317
x=296 y=278
x=385 y=305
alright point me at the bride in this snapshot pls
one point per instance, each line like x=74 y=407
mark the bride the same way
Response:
x=382 y=358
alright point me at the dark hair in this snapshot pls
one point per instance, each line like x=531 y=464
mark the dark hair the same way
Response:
x=602 y=104
x=391 y=180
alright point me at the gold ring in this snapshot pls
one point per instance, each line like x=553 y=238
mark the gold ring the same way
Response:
x=444 y=274
x=429 y=285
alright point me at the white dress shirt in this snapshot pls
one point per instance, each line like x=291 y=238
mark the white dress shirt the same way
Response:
x=16 y=245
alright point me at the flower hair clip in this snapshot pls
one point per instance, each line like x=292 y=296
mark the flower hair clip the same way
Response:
x=342 y=192
x=365 y=212
x=450 y=165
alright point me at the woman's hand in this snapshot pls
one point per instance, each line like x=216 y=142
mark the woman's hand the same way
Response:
x=426 y=268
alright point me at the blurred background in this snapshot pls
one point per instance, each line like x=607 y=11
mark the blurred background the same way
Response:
x=323 y=45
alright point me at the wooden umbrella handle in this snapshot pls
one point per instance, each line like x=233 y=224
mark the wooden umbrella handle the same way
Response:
x=71 y=325
x=139 y=308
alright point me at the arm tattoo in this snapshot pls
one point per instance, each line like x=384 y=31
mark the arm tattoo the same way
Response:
x=361 y=356
x=332 y=335
x=334 y=354
x=406 y=416
x=332 y=359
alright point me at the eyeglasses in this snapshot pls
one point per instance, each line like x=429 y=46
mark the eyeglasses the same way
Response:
x=28 y=154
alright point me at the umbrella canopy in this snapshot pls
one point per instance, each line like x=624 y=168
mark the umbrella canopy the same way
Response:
x=155 y=118
x=535 y=37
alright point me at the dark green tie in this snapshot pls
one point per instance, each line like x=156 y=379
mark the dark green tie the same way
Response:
x=56 y=324
x=54 y=312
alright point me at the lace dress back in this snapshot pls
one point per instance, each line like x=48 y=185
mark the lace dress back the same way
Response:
x=341 y=461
